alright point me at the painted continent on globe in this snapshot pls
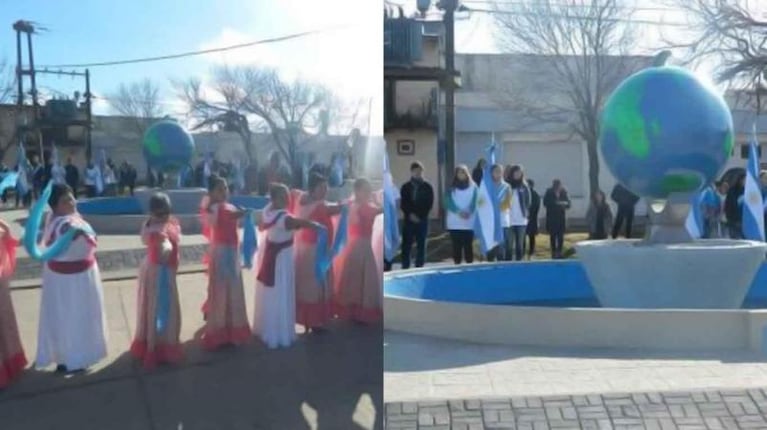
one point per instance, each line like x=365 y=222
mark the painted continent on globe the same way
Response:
x=167 y=146
x=663 y=131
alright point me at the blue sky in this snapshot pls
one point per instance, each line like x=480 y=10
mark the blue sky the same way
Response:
x=349 y=60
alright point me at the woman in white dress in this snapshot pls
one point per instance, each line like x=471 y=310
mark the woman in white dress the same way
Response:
x=73 y=331
x=275 y=310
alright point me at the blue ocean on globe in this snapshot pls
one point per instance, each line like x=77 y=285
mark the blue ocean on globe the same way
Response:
x=664 y=131
x=167 y=146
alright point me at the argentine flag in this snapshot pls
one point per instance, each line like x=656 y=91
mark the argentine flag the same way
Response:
x=22 y=184
x=694 y=223
x=487 y=226
x=391 y=226
x=753 y=204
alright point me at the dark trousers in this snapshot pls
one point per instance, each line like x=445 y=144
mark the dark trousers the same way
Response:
x=557 y=241
x=387 y=265
x=624 y=213
x=496 y=254
x=515 y=242
x=90 y=191
x=414 y=231
x=463 y=245
x=530 y=244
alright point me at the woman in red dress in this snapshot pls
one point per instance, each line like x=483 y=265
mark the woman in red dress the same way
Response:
x=12 y=358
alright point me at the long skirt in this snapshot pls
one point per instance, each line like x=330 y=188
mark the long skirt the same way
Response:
x=358 y=295
x=150 y=346
x=227 y=321
x=313 y=301
x=73 y=328
x=12 y=358
x=275 y=310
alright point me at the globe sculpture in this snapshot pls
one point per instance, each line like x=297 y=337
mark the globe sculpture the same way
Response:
x=664 y=136
x=664 y=132
x=167 y=146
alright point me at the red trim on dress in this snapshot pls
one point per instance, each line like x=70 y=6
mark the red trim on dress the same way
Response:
x=161 y=354
x=8 y=255
x=71 y=267
x=358 y=313
x=226 y=336
x=11 y=368
x=313 y=314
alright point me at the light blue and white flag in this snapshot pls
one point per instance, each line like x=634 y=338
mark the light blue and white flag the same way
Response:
x=100 y=168
x=753 y=203
x=487 y=226
x=391 y=222
x=22 y=182
x=694 y=222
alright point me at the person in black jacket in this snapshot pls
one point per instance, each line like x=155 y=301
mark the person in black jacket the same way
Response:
x=532 y=220
x=416 y=201
x=72 y=176
x=556 y=202
x=733 y=209
x=479 y=170
x=626 y=201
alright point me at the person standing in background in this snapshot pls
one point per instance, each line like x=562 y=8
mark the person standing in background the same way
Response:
x=532 y=219
x=479 y=169
x=520 y=205
x=416 y=201
x=504 y=204
x=557 y=202
x=72 y=176
x=599 y=217
x=733 y=209
x=461 y=207
x=626 y=201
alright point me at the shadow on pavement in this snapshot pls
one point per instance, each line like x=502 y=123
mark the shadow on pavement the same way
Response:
x=325 y=381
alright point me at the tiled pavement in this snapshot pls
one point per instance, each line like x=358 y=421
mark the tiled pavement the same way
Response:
x=702 y=410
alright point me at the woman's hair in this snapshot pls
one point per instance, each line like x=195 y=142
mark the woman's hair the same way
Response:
x=278 y=190
x=498 y=167
x=480 y=162
x=457 y=183
x=315 y=180
x=361 y=183
x=598 y=193
x=57 y=192
x=159 y=203
x=214 y=181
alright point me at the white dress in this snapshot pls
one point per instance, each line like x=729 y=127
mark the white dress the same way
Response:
x=275 y=308
x=73 y=329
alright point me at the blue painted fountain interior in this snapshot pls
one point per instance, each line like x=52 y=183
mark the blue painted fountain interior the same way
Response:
x=545 y=283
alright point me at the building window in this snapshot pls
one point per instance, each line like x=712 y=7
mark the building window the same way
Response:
x=744 y=151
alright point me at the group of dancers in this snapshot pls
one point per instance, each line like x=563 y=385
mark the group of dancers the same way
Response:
x=73 y=330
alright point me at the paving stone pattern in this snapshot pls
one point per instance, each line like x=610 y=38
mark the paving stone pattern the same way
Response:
x=705 y=410
x=112 y=260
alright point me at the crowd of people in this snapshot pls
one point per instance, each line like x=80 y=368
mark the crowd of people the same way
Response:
x=107 y=180
x=289 y=289
x=519 y=205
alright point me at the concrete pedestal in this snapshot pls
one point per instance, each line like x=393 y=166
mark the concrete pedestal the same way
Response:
x=183 y=200
x=703 y=274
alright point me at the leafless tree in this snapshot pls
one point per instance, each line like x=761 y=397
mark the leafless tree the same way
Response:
x=244 y=98
x=576 y=52
x=734 y=38
x=138 y=101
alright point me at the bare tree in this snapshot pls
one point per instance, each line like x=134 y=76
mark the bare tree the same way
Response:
x=138 y=101
x=247 y=97
x=577 y=51
x=732 y=36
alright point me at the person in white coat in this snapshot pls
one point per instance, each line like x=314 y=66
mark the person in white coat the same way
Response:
x=461 y=207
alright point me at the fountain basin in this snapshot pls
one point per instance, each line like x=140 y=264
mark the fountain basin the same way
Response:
x=702 y=274
x=125 y=214
x=552 y=303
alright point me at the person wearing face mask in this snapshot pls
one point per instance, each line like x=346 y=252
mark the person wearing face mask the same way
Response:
x=416 y=201
x=461 y=207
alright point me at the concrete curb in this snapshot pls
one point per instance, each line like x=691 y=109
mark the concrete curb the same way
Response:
x=111 y=276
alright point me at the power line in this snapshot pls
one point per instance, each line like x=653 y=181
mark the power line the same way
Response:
x=630 y=21
x=200 y=52
x=569 y=5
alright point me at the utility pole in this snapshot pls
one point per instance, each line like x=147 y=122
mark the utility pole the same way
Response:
x=449 y=19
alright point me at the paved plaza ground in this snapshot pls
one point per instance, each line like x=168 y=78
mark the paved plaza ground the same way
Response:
x=441 y=384
x=325 y=381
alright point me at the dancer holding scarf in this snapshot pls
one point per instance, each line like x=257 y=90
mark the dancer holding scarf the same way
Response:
x=226 y=319
x=275 y=308
x=313 y=298
x=73 y=330
x=358 y=293
x=461 y=206
x=12 y=358
x=158 y=324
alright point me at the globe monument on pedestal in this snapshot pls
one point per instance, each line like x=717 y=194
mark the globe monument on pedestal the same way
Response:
x=665 y=135
x=169 y=148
